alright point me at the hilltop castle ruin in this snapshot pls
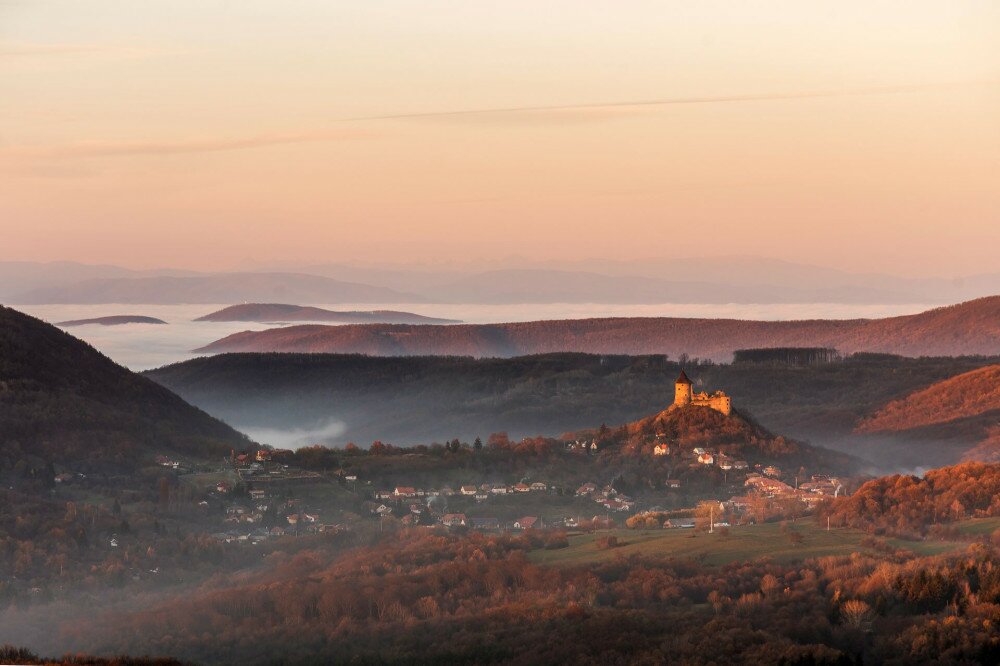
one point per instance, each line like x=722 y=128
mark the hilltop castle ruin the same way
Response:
x=684 y=396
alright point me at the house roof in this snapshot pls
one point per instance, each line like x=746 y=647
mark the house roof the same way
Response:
x=683 y=378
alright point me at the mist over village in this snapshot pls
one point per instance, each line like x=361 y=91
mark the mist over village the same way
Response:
x=499 y=333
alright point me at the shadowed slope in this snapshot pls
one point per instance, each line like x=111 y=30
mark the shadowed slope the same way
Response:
x=966 y=395
x=62 y=400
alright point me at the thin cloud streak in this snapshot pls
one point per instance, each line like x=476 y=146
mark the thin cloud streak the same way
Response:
x=670 y=101
x=603 y=109
x=29 y=50
x=130 y=148
x=20 y=49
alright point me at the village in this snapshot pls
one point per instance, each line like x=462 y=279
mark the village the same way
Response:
x=260 y=506
x=262 y=497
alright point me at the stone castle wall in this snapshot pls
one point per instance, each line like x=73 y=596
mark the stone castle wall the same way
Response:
x=718 y=401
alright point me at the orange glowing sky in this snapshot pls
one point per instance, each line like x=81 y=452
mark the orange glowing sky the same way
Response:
x=209 y=134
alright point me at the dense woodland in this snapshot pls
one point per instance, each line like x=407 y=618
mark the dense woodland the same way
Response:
x=914 y=506
x=411 y=400
x=10 y=654
x=960 y=414
x=61 y=401
x=431 y=597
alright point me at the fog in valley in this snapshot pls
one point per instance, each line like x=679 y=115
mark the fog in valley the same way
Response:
x=145 y=346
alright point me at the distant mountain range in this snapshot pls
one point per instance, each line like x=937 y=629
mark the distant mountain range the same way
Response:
x=278 y=312
x=738 y=279
x=113 y=320
x=63 y=402
x=730 y=279
x=220 y=288
x=18 y=278
x=968 y=328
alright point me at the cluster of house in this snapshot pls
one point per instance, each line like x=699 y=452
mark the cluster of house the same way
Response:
x=175 y=464
x=606 y=496
x=584 y=445
x=701 y=455
x=259 y=464
x=809 y=493
x=460 y=520
x=261 y=534
x=246 y=522
x=245 y=525
x=669 y=523
x=480 y=493
x=822 y=484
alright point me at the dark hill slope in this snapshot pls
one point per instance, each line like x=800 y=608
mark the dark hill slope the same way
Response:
x=112 y=320
x=271 y=312
x=957 y=418
x=968 y=328
x=968 y=394
x=63 y=401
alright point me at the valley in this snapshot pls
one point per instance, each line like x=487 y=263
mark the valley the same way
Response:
x=591 y=461
x=410 y=400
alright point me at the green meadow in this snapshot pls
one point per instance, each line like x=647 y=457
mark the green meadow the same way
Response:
x=741 y=543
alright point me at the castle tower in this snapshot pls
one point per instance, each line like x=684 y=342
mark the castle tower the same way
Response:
x=682 y=390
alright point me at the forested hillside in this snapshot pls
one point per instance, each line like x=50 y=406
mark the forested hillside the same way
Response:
x=958 y=416
x=427 y=596
x=420 y=399
x=736 y=435
x=61 y=401
x=968 y=394
x=968 y=328
x=913 y=505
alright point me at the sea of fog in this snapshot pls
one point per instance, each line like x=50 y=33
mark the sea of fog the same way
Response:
x=145 y=346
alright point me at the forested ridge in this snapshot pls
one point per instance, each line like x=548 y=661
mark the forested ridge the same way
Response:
x=913 y=505
x=409 y=400
x=972 y=327
x=968 y=394
x=431 y=597
x=61 y=401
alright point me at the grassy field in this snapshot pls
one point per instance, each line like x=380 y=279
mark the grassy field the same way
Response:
x=206 y=479
x=978 y=526
x=742 y=543
x=925 y=548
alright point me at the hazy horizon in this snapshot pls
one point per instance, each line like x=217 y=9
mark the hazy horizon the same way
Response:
x=437 y=264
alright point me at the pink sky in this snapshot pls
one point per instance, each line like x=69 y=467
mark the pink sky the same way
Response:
x=207 y=134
